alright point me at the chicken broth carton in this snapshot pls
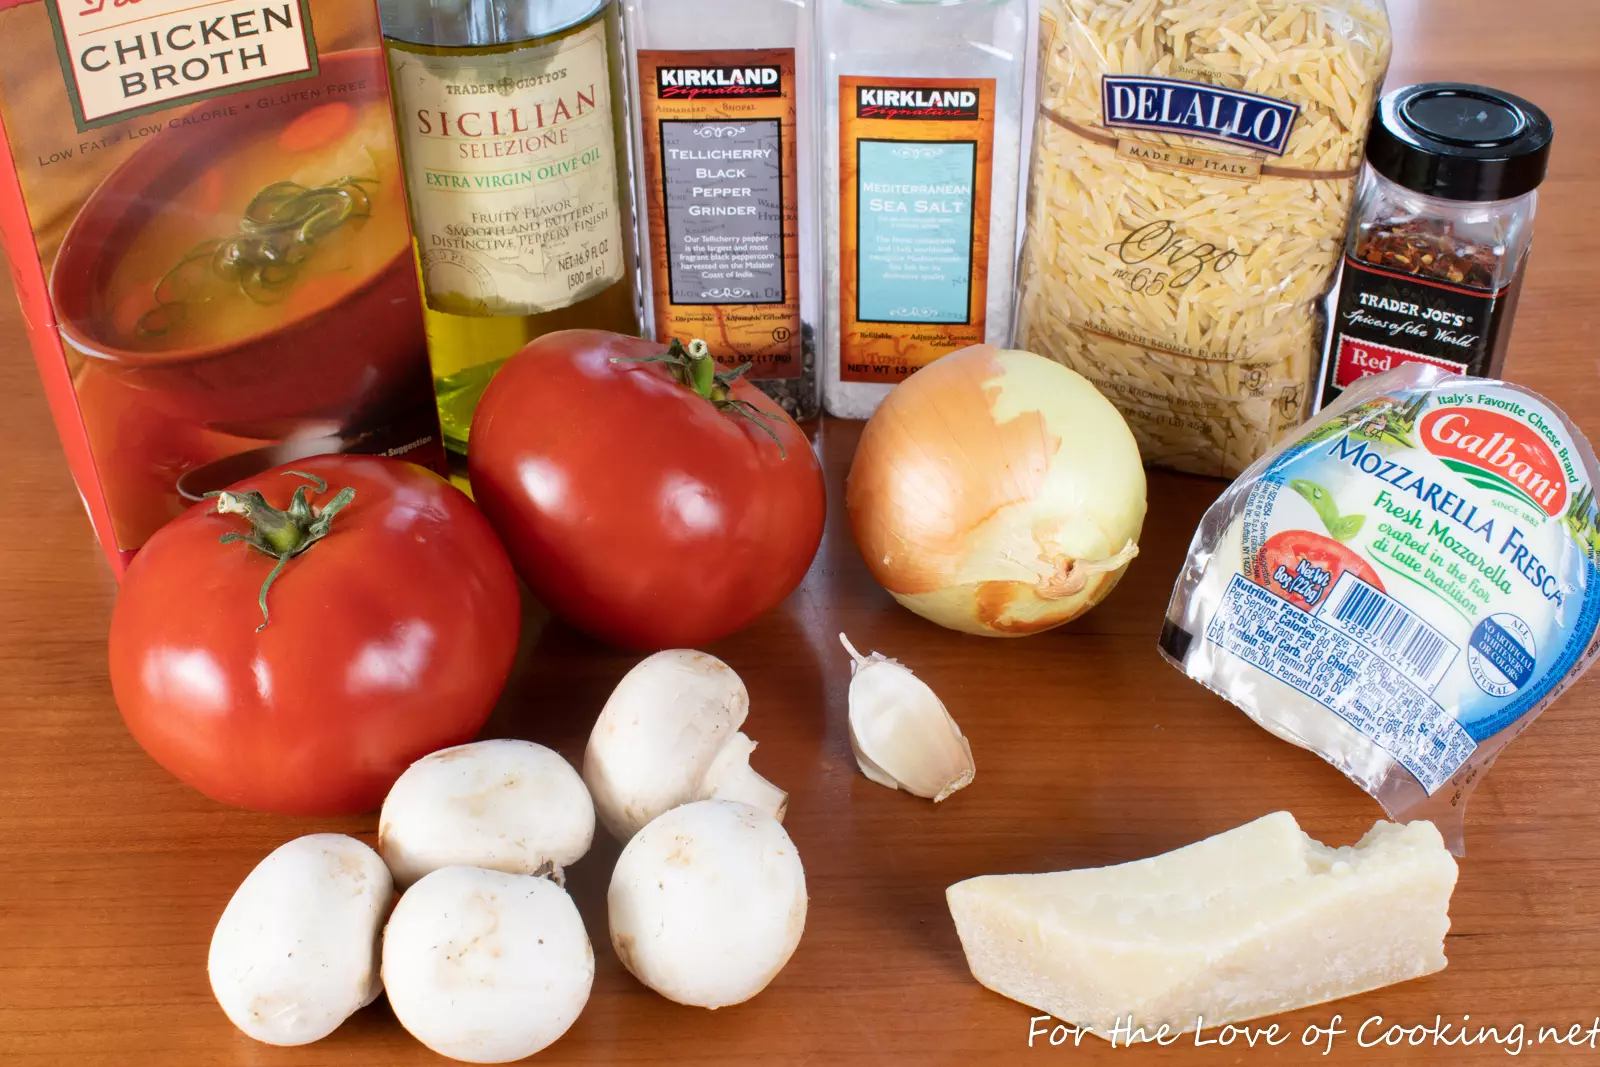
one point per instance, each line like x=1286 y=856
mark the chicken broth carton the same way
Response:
x=205 y=220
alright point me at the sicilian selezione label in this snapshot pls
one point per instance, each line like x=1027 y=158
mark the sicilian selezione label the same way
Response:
x=1386 y=319
x=916 y=159
x=722 y=202
x=512 y=173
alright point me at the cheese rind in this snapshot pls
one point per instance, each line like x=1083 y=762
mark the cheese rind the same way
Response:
x=1258 y=920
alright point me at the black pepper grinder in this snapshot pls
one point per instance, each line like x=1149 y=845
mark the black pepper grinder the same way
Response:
x=1440 y=234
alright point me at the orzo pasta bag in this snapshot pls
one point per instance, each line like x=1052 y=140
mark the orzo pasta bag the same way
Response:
x=1192 y=178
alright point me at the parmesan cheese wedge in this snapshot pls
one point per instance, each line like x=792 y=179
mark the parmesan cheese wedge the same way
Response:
x=1258 y=920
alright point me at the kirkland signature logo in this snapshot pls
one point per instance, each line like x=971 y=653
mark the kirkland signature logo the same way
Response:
x=914 y=103
x=1175 y=106
x=677 y=83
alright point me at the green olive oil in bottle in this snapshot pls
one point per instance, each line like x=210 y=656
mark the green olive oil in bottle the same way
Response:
x=513 y=135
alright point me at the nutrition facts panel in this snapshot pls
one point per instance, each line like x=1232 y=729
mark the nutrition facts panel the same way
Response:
x=1343 y=675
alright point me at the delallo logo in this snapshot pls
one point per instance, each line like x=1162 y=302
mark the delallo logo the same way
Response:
x=1171 y=105
x=683 y=83
x=1496 y=452
x=912 y=102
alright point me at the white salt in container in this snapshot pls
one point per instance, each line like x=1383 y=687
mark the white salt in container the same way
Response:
x=922 y=104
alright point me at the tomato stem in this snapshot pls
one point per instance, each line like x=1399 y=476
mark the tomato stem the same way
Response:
x=285 y=534
x=702 y=368
x=694 y=368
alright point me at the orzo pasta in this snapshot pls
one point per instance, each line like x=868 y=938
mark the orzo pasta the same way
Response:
x=1191 y=183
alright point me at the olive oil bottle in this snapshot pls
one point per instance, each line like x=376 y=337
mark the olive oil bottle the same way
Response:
x=512 y=124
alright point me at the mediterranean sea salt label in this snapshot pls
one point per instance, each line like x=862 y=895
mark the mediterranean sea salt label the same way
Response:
x=916 y=161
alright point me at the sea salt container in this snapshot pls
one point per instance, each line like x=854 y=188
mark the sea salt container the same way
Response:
x=922 y=103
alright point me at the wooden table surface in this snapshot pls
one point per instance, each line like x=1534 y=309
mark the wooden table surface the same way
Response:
x=1090 y=750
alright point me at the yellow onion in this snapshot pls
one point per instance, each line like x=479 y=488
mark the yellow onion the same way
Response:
x=997 y=493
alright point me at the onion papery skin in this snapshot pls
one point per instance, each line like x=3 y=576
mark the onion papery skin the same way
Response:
x=997 y=493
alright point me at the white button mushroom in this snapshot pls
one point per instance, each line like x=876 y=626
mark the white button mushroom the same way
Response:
x=670 y=735
x=296 y=950
x=510 y=806
x=707 y=903
x=484 y=966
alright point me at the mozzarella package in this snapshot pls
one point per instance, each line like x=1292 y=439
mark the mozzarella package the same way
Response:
x=1401 y=586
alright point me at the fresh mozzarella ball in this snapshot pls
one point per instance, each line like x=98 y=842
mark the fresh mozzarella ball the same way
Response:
x=707 y=903
x=484 y=966
x=296 y=950
x=510 y=806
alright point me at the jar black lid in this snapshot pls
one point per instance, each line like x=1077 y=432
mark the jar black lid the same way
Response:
x=1460 y=142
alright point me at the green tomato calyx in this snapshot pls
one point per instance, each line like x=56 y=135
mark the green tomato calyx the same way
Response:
x=281 y=534
x=694 y=367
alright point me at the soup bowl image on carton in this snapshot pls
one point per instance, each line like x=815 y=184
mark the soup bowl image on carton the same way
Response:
x=300 y=322
x=204 y=214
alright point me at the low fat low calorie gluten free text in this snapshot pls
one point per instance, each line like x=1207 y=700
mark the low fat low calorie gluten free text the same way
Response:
x=1375 y=1031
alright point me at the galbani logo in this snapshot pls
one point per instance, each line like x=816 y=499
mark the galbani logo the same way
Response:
x=1498 y=453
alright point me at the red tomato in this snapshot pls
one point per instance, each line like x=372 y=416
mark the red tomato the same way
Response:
x=389 y=638
x=1278 y=567
x=633 y=506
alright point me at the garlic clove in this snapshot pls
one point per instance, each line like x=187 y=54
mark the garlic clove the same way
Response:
x=901 y=733
x=730 y=777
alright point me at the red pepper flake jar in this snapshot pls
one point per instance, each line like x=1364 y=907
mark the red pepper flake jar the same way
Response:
x=1440 y=233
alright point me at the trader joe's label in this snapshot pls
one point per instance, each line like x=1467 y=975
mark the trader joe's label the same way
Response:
x=721 y=192
x=916 y=156
x=1386 y=318
x=512 y=172
x=129 y=57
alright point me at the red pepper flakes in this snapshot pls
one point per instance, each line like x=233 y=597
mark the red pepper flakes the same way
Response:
x=1428 y=248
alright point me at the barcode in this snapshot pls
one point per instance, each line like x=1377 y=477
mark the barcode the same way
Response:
x=1391 y=627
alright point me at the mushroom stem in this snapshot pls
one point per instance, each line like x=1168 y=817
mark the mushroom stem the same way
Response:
x=731 y=777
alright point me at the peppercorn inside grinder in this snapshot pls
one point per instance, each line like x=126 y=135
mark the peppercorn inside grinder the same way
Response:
x=1439 y=237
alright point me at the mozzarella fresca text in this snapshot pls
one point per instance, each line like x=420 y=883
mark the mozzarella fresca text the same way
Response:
x=1510 y=542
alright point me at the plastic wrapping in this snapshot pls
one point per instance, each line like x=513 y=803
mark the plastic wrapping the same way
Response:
x=1192 y=178
x=1403 y=586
